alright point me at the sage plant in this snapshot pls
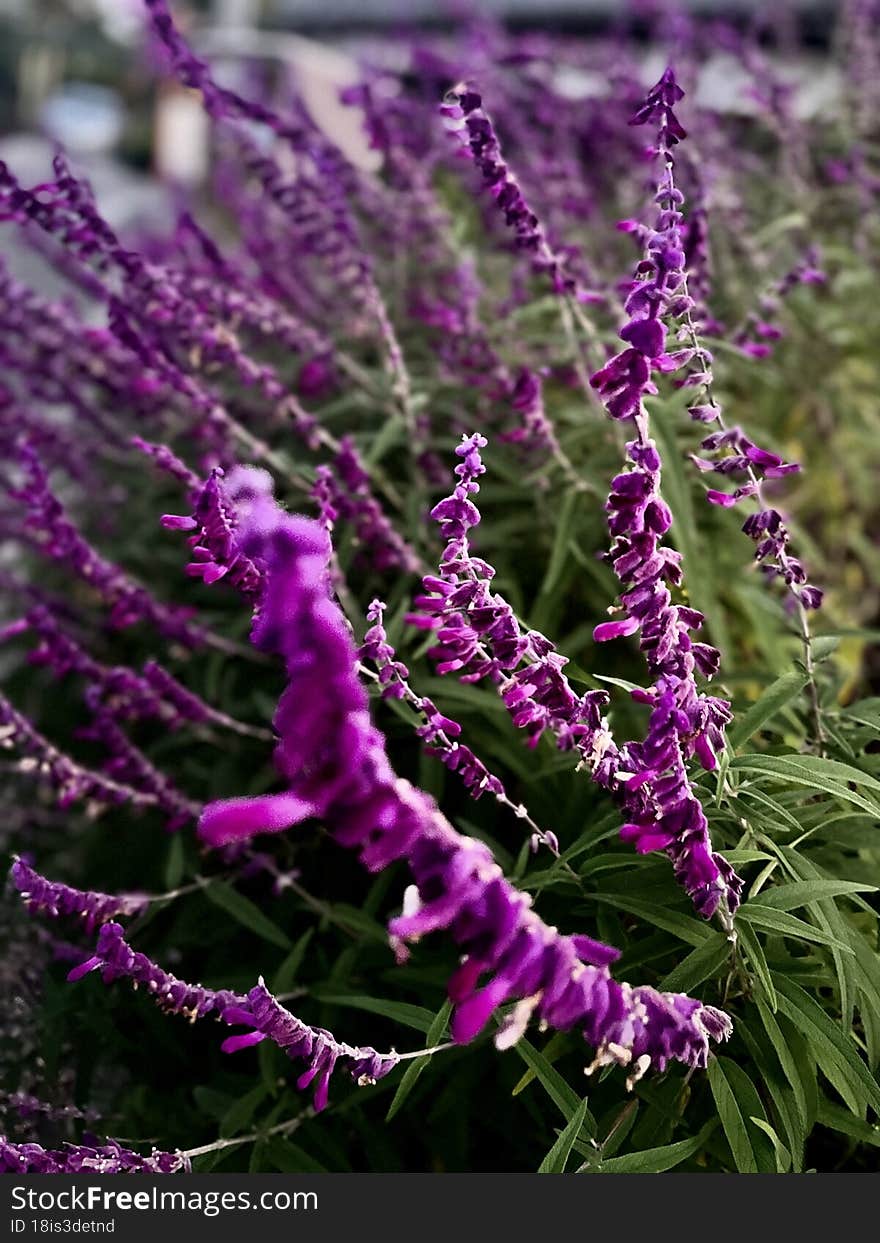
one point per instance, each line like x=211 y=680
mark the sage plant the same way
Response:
x=438 y=764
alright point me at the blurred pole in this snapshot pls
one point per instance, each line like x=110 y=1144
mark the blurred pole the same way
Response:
x=181 y=136
x=235 y=13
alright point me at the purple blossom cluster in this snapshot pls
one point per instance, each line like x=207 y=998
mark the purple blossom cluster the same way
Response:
x=71 y=781
x=55 y=899
x=153 y=694
x=534 y=431
x=127 y=764
x=661 y=288
x=334 y=766
x=477 y=634
x=258 y=1010
x=658 y=288
x=343 y=491
x=762 y=330
x=269 y=1020
x=215 y=551
x=664 y=813
x=108 y=1158
x=439 y=733
x=54 y=535
x=470 y=124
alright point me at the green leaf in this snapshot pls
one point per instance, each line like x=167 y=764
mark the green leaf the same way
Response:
x=654 y=1160
x=563 y=1096
x=175 y=862
x=685 y=927
x=824 y=645
x=393 y=429
x=789 y=925
x=779 y=815
x=743 y=854
x=865 y=712
x=800 y=893
x=238 y=1116
x=245 y=912
x=830 y=919
x=783 y=1156
x=554 y=1046
x=834 y=1049
x=787 y=1061
x=732 y=1118
x=756 y=959
x=285 y=977
x=289 y=1158
x=828 y=776
x=554 y=1162
x=211 y=1102
x=621 y=682
x=205 y=1163
x=356 y=921
x=413 y=1071
x=773 y=1083
x=838 y=1119
x=400 y=1011
x=619 y=1126
x=698 y=965
x=559 y=558
x=770 y=702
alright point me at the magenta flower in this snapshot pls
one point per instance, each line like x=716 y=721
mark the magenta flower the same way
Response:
x=108 y=1158
x=56 y=899
x=334 y=766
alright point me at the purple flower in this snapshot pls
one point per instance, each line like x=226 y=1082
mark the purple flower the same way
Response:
x=623 y=382
x=56 y=899
x=479 y=636
x=663 y=811
x=54 y=535
x=439 y=733
x=344 y=488
x=71 y=781
x=126 y=763
x=269 y=1020
x=107 y=1158
x=466 y=119
x=658 y=109
x=535 y=431
x=153 y=694
x=334 y=765
x=258 y=1010
x=168 y=462
x=216 y=552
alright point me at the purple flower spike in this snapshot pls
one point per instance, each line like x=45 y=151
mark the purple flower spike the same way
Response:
x=343 y=491
x=107 y=1158
x=651 y=778
x=55 y=899
x=332 y=758
x=439 y=733
x=54 y=535
x=257 y=1010
x=662 y=809
x=468 y=122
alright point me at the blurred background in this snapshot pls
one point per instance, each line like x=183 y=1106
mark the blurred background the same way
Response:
x=76 y=72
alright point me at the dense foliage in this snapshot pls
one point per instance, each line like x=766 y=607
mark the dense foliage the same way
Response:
x=485 y=442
